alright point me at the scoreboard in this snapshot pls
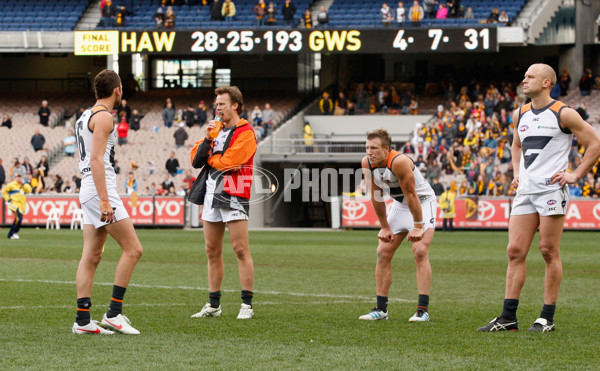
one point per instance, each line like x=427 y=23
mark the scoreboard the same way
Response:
x=286 y=41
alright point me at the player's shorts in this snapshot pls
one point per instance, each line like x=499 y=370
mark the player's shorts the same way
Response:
x=224 y=215
x=91 y=210
x=546 y=204
x=401 y=220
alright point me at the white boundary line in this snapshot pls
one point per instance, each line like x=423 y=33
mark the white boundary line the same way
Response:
x=300 y=294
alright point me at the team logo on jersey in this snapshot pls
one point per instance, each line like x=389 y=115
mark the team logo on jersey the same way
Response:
x=523 y=128
x=551 y=202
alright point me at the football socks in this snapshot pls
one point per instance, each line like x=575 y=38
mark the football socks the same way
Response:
x=509 y=311
x=247 y=297
x=423 y=303
x=548 y=312
x=116 y=303
x=215 y=298
x=83 y=311
x=382 y=303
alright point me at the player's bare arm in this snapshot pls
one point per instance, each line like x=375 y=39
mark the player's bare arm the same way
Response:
x=402 y=167
x=516 y=150
x=583 y=131
x=385 y=234
x=102 y=125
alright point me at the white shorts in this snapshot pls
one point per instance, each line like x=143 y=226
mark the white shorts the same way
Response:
x=223 y=215
x=91 y=210
x=546 y=204
x=401 y=220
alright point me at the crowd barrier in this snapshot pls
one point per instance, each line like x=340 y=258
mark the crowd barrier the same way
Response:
x=473 y=213
x=157 y=211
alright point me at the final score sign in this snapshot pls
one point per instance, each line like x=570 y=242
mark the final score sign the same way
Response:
x=277 y=41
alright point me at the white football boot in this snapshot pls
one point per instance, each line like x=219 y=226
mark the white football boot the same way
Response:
x=120 y=324
x=208 y=311
x=246 y=312
x=91 y=328
x=375 y=315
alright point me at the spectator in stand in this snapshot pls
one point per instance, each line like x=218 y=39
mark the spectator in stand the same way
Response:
x=228 y=10
x=124 y=109
x=326 y=104
x=361 y=96
x=122 y=130
x=2 y=174
x=160 y=190
x=453 y=7
x=448 y=209
x=564 y=81
x=57 y=184
x=172 y=165
x=322 y=17
x=76 y=183
x=586 y=82
x=215 y=10
x=7 y=122
x=307 y=19
x=159 y=18
x=121 y=16
x=400 y=14
x=408 y=148
x=168 y=115
x=256 y=116
x=461 y=11
x=170 y=18
x=108 y=12
x=18 y=169
x=68 y=188
x=341 y=104
x=429 y=8
x=271 y=13
x=387 y=15
x=37 y=141
x=151 y=189
x=288 y=11
x=180 y=136
x=167 y=183
x=503 y=18
x=260 y=9
x=268 y=116
x=582 y=111
x=44 y=113
x=413 y=107
x=134 y=124
x=201 y=114
x=189 y=178
x=189 y=116
x=469 y=14
x=70 y=144
x=442 y=12
x=131 y=184
x=494 y=16
x=416 y=13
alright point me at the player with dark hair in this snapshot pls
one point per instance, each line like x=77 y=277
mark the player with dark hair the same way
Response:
x=412 y=216
x=540 y=151
x=103 y=210
x=223 y=187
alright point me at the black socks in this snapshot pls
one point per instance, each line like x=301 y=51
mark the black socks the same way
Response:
x=116 y=302
x=83 y=311
x=548 y=311
x=382 y=303
x=509 y=311
x=247 y=297
x=423 y=303
x=215 y=299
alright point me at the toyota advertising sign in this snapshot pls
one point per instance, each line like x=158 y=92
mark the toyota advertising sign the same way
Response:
x=473 y=213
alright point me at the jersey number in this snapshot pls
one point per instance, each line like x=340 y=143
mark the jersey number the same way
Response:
x=532 y=146
x=80 y=143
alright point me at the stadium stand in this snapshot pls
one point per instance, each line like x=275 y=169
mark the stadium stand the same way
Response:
x=40 y=15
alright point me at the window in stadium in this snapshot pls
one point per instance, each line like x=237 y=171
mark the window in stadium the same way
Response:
x=183 y=73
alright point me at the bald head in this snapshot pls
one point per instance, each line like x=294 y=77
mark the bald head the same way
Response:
x=545 y=72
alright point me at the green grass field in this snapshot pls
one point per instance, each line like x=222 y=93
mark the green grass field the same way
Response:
x=310 y=288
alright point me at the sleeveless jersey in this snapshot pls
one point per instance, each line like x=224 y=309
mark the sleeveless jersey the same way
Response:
x=385 y=179
x=84 y=143
x=545 y=147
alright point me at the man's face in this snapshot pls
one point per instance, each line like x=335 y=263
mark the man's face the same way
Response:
x=118 y=96
x=376 y=153
x=534 y=81
x=227 y=109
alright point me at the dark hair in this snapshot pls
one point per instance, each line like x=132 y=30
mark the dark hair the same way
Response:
x=234 y=94
x=105 y=83
x=383 y=135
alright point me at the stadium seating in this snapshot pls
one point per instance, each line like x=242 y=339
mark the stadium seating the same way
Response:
x=40 y=15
